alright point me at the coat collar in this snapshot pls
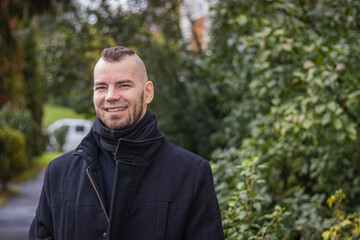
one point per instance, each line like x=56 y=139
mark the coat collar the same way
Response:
x=136 y=151
x=88 y=148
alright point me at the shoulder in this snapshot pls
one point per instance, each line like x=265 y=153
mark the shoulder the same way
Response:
x=61 y=161
x=64 y=164
x=182 y=156
x=182 y=152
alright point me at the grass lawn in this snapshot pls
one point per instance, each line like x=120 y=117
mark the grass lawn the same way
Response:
x=53 y=113
x=39 y=163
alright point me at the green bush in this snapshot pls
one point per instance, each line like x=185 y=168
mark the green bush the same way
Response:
x=345 y=226
x=249 y=214
x=12 y=116
x=285 y=74
x=12 y=154
x=60 y=136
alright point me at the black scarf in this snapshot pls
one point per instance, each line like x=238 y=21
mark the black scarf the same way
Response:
x=144 y=129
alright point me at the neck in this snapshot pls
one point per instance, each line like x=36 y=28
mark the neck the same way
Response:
x=145 y=128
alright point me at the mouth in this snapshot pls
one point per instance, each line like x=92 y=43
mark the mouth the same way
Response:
x=116 y=109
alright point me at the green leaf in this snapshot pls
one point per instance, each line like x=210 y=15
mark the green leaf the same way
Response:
x=257 y=206
x=279 y=32
x=354 y=94
x=326 y=119
x=338 y=124
x=308 y=64
x=326 y=234
x=320 y=108
x=352 y=131
x=332 y=106
x=241 y=19
x=345 y=223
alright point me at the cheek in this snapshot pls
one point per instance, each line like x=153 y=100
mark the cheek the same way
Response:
x=97 y=99
x=131 y=96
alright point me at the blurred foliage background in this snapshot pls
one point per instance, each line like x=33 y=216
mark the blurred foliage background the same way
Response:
x=272 y=102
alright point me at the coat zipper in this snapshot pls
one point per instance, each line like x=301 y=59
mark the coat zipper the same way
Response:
x=98 y=195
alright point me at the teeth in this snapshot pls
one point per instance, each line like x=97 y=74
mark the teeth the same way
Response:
x=116 y=109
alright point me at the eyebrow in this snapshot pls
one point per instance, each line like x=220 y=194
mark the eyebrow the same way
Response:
x=125 y=81
x=100 y=82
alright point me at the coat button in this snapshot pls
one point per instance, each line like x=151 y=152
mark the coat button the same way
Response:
x=104 y=234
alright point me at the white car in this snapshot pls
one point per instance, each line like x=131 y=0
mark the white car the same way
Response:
x=76 y=131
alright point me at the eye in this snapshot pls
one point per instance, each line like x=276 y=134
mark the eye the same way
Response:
x=99 y=88
x=124 y=85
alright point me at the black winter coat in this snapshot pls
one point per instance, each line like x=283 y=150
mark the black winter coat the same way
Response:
x=161 y=191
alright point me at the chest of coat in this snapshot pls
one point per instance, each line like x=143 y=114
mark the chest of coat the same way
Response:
x=148 y=202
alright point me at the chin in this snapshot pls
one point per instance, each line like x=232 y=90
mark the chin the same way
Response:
x=118 y=125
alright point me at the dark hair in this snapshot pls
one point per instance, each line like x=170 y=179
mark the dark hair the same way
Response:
x=114 y=54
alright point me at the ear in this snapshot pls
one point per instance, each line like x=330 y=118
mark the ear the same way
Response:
x=148 y=92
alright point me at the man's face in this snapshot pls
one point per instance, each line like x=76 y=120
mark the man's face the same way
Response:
x=120 y=94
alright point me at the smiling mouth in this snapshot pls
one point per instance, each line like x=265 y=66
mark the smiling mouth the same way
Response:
x=116 y=109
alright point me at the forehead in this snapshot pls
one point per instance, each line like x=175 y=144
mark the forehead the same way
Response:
x=126 y=63
x=126 y=68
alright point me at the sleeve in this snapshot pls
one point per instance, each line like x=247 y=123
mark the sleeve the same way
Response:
x=42 y=226
x=204 y=219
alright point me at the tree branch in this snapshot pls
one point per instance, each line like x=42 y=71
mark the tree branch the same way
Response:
x=304 y=18
x=342 y=103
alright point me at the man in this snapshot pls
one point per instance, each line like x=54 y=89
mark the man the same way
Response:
x=125 y=180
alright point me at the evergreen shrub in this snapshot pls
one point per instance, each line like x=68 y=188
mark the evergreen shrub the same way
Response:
x=13 y=116
x=60 y=136
x=12 y=154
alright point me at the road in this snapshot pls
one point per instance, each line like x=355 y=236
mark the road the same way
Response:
x=17 y=215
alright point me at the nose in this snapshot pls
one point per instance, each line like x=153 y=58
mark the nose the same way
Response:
x=112 y=95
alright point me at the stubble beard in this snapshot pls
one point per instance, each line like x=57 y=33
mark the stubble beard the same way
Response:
x=117 y=123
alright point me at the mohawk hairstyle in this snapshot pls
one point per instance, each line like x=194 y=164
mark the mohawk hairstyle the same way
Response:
x=114 y=54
